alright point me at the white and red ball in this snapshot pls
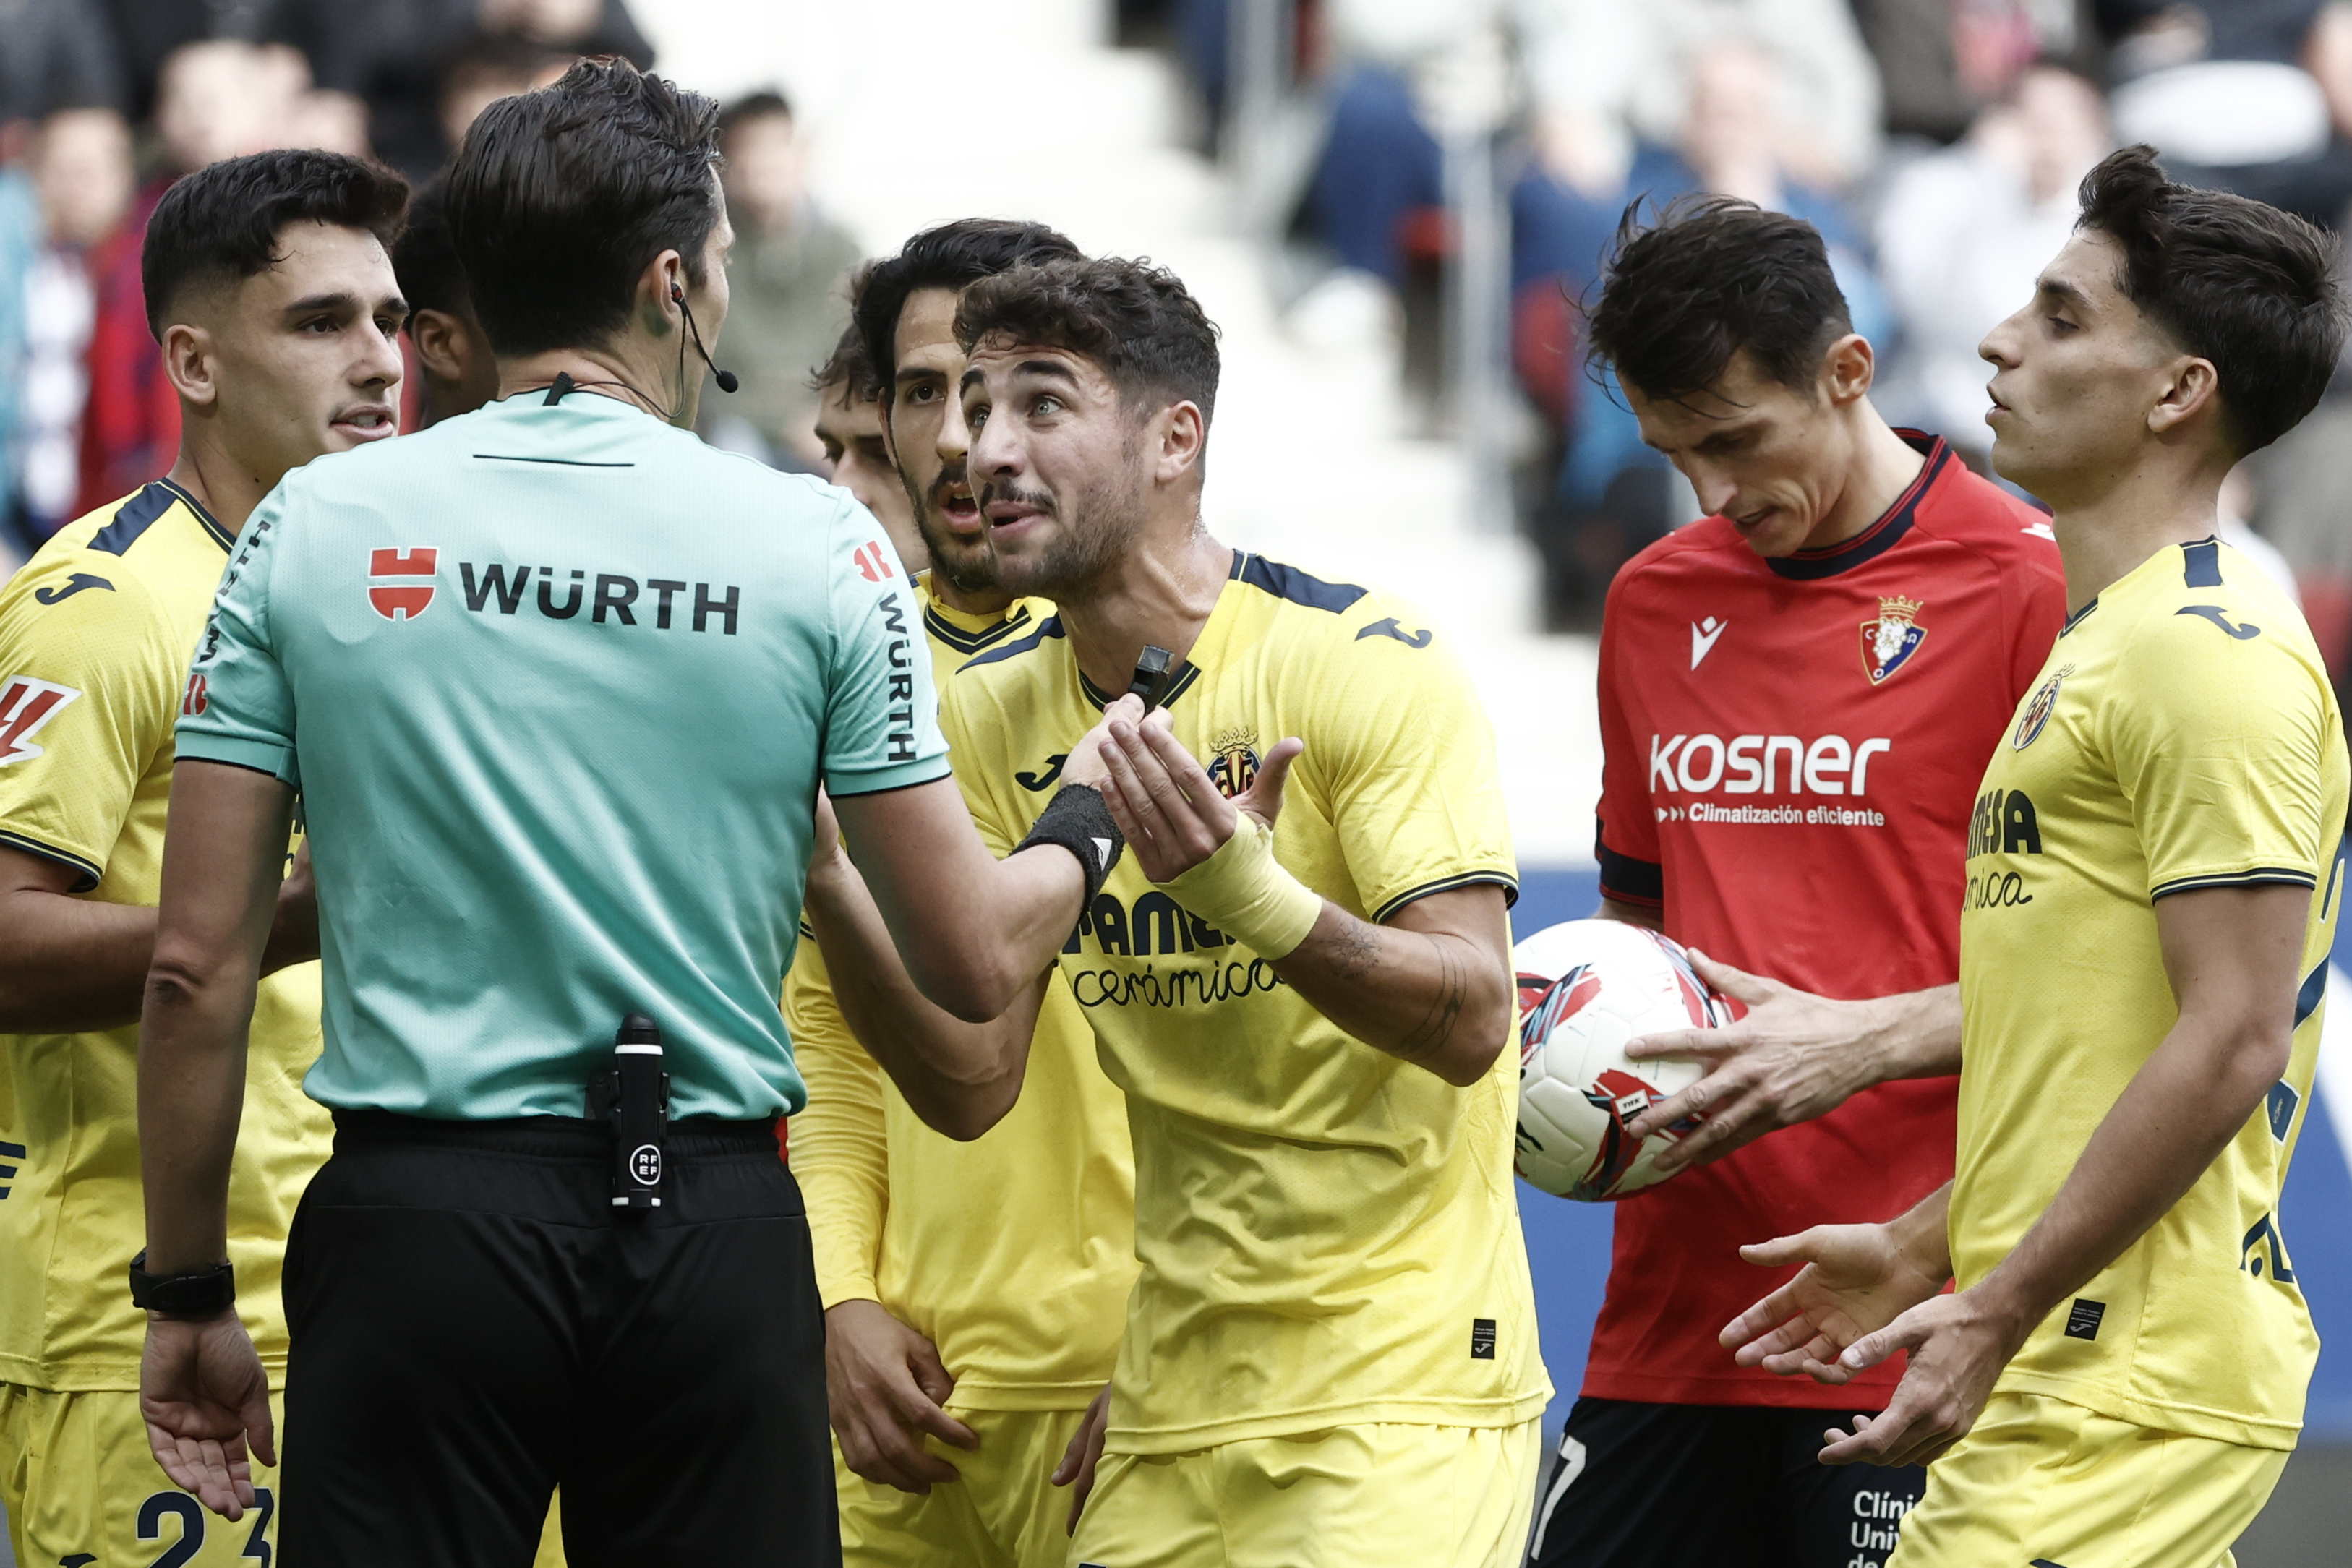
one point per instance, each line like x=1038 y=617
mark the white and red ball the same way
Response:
x=1586 y=988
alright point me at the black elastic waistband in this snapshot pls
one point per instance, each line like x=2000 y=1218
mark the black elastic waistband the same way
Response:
x=550 y=1137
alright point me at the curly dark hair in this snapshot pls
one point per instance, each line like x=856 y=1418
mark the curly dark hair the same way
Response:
x=1136 y=320
x=222 y=222
x=2245 y=286
x=1708 y=276
x=559 y=198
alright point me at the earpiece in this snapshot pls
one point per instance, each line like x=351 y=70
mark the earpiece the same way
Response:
x=726 y=379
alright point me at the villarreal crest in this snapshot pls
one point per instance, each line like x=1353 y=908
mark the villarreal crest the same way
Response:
x=2038 y=711
x=1888 y=643
x=1233 y=768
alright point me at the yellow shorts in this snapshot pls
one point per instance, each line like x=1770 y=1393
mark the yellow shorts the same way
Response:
x=1005 y=1512
x=2039 y=1480
x=1435 y=1497
x=82 y=1486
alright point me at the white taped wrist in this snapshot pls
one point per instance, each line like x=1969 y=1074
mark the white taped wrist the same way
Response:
x=1244 y=891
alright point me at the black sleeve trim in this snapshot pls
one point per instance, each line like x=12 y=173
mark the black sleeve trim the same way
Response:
x=1629 y=880
x=91 y=871
x=225 y=762
x=888 y=789
x=1508 y=883
x=2287 y=877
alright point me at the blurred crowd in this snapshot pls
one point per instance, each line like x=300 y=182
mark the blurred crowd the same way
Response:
x=1935 y=143
x=103 y=103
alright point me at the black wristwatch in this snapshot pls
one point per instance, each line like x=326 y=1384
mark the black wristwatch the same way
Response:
x=203 y=1294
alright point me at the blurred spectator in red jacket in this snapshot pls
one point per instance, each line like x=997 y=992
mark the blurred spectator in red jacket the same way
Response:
x=213 y=101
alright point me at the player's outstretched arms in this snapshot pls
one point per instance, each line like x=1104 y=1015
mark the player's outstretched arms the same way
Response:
x=974 y=931
x=1793 y=1057
x=885 y=1386
x=1076 y=1471
x=2231 y=956
x=70 y=964
x=200 y=1383
x=1432 y=986
x=1857 y=1278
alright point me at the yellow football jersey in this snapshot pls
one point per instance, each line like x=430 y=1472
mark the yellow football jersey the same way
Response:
x=2182 y=735
x=1013 y=1253
x=1328 y=1236
x=96 y=636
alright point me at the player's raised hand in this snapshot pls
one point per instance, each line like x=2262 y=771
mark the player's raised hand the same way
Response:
x=885 y=1386
x=1857 y=1278
x=1077 y=1469
x=206 y=1402
x=1958 y=1346
x=1794 y=1056
x=1173 y=816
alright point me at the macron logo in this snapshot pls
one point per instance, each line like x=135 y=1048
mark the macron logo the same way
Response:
x=1703 y=636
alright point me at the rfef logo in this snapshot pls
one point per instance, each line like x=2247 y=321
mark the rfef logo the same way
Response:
x=410 y=590
x=873 y=562
x=26 y=704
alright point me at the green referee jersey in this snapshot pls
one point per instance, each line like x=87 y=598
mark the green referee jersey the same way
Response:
x=558 y=685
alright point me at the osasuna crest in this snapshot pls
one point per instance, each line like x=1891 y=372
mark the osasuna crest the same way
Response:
x=1234 y=768
x=1888 y=643
x=2039 y=709
x=400 y=582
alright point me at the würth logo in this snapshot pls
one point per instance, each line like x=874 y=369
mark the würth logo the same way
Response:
x=410 y=587
x=195 y=700
x=26 y=704
x=872 y=565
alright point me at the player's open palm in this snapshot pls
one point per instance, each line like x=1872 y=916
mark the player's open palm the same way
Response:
x=206 y=1400
x=885 y=1388
x=1173 y=816
x=1855 y=1280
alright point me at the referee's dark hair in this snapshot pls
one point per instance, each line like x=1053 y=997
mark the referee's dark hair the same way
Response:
x=559 y=198
x=1709 y=276
x=1137 y=320
x=221 y=224
x=2229 y=279
x=952 y=255
x=425 y=260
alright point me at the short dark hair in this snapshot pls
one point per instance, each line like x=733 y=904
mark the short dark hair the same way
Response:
x=1137 y=320
x=559 y=198
x=952 y=255
x=2231 y=280
x=1708 y=276
x=425 y=260
x=848 y=365
x=222 y=222
x=752 y=106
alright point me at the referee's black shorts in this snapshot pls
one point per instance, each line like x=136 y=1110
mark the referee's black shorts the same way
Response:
x=474 y=1325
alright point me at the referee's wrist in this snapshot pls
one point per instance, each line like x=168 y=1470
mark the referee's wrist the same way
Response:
x=194 y=1295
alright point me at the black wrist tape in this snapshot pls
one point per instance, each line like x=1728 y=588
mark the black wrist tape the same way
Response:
x=199 y=1295
x=1077 y=820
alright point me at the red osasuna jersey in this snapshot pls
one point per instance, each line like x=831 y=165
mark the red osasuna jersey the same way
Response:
x=1792 y=751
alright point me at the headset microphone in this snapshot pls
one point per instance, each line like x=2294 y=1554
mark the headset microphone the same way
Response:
x=726 y=379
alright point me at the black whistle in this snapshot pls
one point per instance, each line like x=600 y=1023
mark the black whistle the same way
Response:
x=635 y=1097
x=1150 y=681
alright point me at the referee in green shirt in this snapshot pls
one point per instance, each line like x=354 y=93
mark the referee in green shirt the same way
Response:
x=559 y=685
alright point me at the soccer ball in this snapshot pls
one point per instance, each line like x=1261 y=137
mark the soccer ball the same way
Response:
x=1586 y=988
